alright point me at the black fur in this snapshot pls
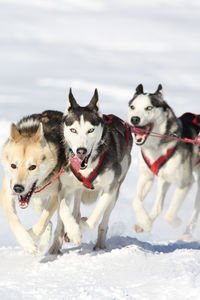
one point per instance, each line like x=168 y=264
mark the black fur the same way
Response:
x=52 y=121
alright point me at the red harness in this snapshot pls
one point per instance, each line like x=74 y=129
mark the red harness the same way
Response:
x=54 y=179
x=87 y=181
x=155 y=167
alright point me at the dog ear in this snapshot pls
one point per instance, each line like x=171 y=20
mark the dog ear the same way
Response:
x=14 y=133
x=39 y=135
x=139 y=89
x=72 y=104
x=93 y=105
x=159 y=90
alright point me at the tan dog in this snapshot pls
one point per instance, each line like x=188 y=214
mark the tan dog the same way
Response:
x=31 y=158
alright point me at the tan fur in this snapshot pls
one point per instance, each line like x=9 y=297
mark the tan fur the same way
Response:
x=24 y=152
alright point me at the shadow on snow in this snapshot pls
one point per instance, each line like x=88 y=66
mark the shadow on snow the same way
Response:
x=119 y=242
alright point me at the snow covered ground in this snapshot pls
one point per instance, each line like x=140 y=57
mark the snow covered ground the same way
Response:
x=47 y=46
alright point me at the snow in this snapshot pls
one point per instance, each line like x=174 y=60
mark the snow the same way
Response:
x=49 y=46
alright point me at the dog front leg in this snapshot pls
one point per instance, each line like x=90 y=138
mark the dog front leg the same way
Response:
x=45 y=214
x=76 y=211
x=70 y=224
x=162 y=189
x=178 y=197
x=91 y=222
x=22 y=236
x=143 y=187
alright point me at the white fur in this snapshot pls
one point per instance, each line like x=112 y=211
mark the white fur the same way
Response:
x=70 y=186
x=173 y=172
x=82 y=139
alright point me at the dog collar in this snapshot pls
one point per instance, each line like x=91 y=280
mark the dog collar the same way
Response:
x=155 y=167
x=87 y=181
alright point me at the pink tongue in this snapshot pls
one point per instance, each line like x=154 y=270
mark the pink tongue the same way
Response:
x=75 y=163
x=139 y=136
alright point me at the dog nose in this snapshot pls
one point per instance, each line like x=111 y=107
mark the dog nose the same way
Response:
x=135 y=120
x=81 y=151
x=18 y=188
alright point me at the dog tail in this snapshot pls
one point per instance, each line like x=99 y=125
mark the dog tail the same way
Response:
x=89 y=197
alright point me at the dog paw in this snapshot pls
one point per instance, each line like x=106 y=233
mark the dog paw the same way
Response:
x=74 y=234
x=174 y=222
x=147 y=226
x=99 y=247
x=30 y=248
x=75 y=238
x=66 y=238
x=84 y=224
x=187 y=237
x=138 y=228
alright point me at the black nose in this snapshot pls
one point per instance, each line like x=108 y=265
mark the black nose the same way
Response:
x=81 y=151
x=18 y=188
x=135 y=120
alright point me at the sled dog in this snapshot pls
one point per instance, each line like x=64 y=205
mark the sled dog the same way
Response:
x=99 y=150
x=171 y=160
x=31 y=158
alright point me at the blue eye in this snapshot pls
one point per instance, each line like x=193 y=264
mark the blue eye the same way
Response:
x=149 y=108
x=73 y=130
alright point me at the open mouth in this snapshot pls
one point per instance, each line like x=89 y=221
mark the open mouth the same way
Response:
x=79 y=161
x=25 y=198
x=142 y=133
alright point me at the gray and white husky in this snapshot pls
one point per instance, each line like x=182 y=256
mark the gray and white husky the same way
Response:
x=99 y=149
x=171 y=160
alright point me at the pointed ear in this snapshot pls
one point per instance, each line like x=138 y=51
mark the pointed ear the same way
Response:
x=39 y=135
x=94 y=101
x=72 y=104
x=14 y=133
x=139 y=89
x=159 y=90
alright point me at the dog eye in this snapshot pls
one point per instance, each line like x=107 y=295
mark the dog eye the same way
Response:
x=73 y=130
x=32 y=167
x=91 y=130
x=132 y=107
x=13 y=166
x=149 y=108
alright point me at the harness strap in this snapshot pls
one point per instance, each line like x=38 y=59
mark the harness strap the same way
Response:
x=87 y=181
x=54 y=179
x=155 y=167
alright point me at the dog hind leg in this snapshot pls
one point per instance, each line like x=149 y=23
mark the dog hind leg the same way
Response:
x=193 y=220
x=178 y=197
x=58 y=237
x=103 y=226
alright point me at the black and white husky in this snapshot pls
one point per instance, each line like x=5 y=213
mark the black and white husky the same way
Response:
x=171 y=160
x=99 y=150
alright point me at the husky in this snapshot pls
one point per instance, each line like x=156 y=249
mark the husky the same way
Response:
x=31 y=158
x=171 y=160
x=99 y=149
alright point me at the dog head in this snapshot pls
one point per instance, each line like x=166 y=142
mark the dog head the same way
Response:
x=83 y=128
x=147 y=112
x=27 y=159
